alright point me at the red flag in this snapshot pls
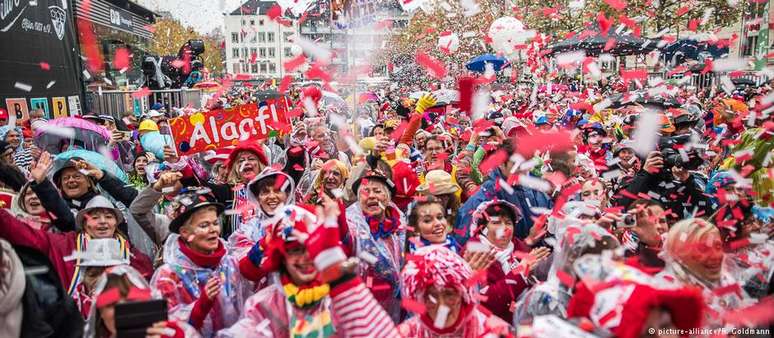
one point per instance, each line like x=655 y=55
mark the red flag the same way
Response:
x=431 y=65
x=465 y=87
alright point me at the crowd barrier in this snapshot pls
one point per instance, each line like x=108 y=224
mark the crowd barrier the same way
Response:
x=117 y=102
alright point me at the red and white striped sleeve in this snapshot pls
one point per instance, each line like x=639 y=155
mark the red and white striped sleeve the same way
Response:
x=357 y=313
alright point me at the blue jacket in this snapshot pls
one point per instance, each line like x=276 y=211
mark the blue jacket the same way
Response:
x=523 y=198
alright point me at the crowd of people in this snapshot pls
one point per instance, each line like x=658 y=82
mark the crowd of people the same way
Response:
x=580 y=210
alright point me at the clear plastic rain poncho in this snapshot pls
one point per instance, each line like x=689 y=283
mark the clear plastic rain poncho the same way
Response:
x=180 y=281
x=553 y=295
x=136 y=279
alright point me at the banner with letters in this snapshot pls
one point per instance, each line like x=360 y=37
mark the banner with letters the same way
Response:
x=221 y=128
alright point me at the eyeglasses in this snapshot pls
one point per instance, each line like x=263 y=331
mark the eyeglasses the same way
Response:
x=75 y=177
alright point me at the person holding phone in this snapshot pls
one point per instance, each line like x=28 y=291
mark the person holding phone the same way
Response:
x=119 y=285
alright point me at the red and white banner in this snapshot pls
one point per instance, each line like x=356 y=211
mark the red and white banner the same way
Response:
x=221 y=128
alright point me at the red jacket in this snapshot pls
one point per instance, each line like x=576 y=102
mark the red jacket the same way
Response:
x=57 y=246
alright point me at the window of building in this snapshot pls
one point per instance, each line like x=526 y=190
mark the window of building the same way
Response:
x=252 y=38
x=286 y=36
x=271 y=37
x=235 y=67
x=288 y=52
x=244 y=68
x=235 y=53
x=750 y=46
x=252 y=22
x=243 y=22
x=260 y=22
x=244 y=52
x=253 y=51
x=261 y=37
x=272 y=68
x=262 y=52
x=263 y=68
x=271 y=52
x=254 y=68
x=235 y=37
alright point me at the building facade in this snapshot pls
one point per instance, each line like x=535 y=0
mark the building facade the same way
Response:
x=256 y=44
x=117 y=24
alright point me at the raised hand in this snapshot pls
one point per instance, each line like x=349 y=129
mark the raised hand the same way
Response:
x=41 y=168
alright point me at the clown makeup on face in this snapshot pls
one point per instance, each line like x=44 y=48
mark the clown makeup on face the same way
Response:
x=440 y=303
x=201 y=232
x=298 y=265
x=332 y=178
x=100 y=223
x=248 y=165
x=429 y=220
x=271 y=197
x=704 y=257
x=433 y=148
x=373 y=197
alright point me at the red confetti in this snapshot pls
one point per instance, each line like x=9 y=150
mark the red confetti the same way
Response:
x=94 y=59
x=413 y=306
x=565 y=278
x=294 y=63
x=493 y=161
x=285 y=83
x=45 y=66
x=682 y=10
x=617 y=4
x=431 y=65
x=143 y=92
x=122 y=60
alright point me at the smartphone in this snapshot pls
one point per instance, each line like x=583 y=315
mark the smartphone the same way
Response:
x=126 y=135
x=134 y=318
x=166 y=132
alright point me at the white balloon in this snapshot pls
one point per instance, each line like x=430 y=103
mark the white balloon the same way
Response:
x=507 y=32
x=449 y=42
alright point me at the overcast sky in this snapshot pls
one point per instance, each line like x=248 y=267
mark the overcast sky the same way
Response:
x=203 y=15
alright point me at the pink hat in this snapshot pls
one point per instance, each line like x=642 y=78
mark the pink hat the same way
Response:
x=623 y=308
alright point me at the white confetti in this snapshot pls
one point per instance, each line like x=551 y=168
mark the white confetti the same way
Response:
x=50 y=84
x=86 y=75
x=728 y=64
x=534 y=183
x=570 y=58
x=367 y=257
x=645 y=135
x=22 y=86
x=440 y=316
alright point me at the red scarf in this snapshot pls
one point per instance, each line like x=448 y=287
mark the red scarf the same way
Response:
x=203 y=260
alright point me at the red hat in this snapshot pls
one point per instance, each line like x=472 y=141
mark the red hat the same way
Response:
x=623 y=308
x=27 y=133
x=3 y=114
x=251 y=146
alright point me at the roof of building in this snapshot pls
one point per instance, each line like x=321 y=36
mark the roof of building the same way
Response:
x=135 y=8
x=254 y=7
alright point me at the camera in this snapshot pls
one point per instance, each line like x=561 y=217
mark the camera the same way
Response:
x=669 y=147
x=627 y=221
